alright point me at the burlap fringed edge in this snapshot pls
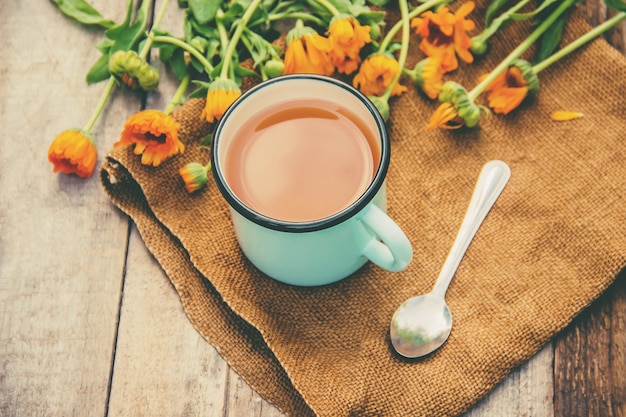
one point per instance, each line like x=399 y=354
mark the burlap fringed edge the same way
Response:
x=126 y=194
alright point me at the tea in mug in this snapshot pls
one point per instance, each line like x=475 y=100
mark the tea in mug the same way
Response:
x=301 y=161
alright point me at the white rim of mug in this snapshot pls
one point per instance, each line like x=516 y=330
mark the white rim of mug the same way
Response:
x=313 y=225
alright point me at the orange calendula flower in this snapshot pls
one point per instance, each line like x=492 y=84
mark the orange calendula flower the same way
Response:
x=154 y=134
x=307 y=52
x=195 y=176
x=511 y=87
x=221 y=94
x=376 y=74
x=73 y=152
x=445 y=34
x=429 y=76
x=347 y=37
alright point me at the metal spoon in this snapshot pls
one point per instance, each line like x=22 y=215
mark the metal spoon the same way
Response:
x=423 y=323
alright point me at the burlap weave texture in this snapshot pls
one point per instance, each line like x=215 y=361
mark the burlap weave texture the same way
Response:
x=555 y=239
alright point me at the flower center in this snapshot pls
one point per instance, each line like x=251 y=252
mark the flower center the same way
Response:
x=162 y=138
x=514 y=78
x=437 y=37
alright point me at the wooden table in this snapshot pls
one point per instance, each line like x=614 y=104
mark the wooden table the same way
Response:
x=89 y=323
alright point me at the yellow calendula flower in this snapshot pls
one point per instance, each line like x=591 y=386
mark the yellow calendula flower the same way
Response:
x=511 y=87
x=221 y=94
x=445 y=34
x=376 y=74
x=195 y=176
x=154 y=135
x=347 y=38
x=445 y=117
x=307 y=52
x=428 y=76
x=73 y=152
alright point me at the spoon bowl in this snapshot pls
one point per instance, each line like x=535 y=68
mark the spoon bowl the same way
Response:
x=420 y=325
x=423 y=323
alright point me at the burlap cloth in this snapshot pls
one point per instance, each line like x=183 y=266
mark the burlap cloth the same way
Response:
x=555 y=239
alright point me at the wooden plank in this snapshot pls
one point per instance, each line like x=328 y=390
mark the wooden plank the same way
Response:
x=527 y=391
x=590 y=359
x=62 y=244
x=163 y=367
x=241 y=400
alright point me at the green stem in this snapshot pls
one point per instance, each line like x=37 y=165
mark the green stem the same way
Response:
x=157 y=21
x=332 y=9
x=221 y=29
x=415 y=12
x=597 y=31
x=499 y=21
x=179 y=94
x=404 y=10
x=100 y=106
x=230 y=50
x=295 y=15
x=185 y=46
x=520 y=49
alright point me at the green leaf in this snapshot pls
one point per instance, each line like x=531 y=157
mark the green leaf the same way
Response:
x=617 y=5
x=204 y=10
x=494 y=7
x=551 y=38
x=379 y=3
x=201 y=91
x=207 y=31
x=245 y=72
x=99 y=71
x=127 y=34
x=342 y=5
x=235 y=10
x=371 y=17
x=83 y=12
x=178 y=64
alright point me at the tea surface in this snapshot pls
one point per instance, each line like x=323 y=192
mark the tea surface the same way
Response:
x=301 y=163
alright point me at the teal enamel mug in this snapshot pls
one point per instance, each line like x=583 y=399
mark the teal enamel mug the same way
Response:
x=301 y=160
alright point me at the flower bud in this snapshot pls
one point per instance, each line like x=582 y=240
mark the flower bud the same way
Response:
x=133 y=71
x=199 y=43
x=479 y=46
x=194 y=176
x=273 y=68
x=374 y=30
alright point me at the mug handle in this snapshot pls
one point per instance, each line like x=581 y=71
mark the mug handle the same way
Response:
x=388 y=247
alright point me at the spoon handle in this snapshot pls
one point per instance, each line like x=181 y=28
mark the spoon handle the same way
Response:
x=493 y=177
